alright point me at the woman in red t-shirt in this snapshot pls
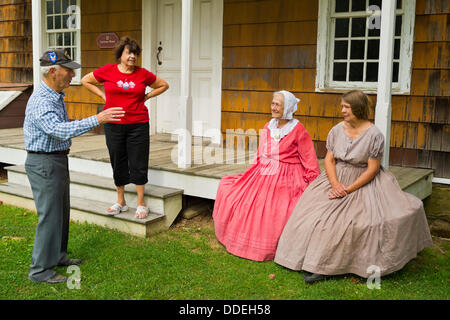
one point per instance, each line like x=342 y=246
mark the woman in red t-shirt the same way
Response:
x=128 y=140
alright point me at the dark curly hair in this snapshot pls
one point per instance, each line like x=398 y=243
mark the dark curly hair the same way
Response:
x=132 y=44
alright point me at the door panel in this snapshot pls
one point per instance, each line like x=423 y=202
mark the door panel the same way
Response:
x=169 y=39
x=206 y=64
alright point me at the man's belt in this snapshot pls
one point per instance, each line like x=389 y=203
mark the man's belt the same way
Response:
x=62 y=152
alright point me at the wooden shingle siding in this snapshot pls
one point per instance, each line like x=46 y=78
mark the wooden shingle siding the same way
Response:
x=100 y=16
x=15 y=41
x=431 y=55
x=271 y=45
x=432 y=6
x=432 y=27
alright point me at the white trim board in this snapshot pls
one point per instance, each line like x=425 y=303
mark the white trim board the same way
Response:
x=441 y=180
x=36 y=24
x=6 y=97
x=325 y=47
x=197 y=186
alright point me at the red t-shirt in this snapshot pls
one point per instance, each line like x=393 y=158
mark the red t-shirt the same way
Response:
x=126 y=90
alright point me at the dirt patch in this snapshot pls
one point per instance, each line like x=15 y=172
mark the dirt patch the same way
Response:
x=437 y=209
x=440 y=245
x=202 y=221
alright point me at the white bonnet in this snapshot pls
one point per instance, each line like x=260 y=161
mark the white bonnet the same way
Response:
x=290 y=104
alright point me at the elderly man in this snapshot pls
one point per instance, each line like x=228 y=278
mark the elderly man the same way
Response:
x=48 y=134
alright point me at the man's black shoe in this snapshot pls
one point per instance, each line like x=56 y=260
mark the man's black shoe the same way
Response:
x=315 y=277
x=56 y=279
x=70 y=262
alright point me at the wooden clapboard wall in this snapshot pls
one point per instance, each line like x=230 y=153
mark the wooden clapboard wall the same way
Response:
x=421 y=122
x=270 y=45
x=16 y=65
x=267 y=45
x=101 y=16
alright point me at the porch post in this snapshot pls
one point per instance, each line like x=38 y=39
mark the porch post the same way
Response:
x=36 y=18
x=383 y=109
x=185 y=111
x=148 y=40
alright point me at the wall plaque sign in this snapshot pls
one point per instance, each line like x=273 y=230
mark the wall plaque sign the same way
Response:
x=107 y=40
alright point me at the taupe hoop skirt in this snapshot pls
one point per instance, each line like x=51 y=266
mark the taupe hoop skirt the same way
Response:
x=377 y=225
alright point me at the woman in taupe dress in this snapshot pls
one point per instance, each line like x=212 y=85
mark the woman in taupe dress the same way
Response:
x=354 y=218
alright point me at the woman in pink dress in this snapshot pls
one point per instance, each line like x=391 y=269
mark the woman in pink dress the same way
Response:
x=252 y=208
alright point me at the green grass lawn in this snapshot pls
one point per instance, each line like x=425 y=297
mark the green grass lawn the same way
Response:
x=187 y=262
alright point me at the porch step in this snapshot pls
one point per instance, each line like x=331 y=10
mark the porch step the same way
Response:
x=91 y=195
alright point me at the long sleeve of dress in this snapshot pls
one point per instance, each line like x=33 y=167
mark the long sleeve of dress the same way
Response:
x=307 y=156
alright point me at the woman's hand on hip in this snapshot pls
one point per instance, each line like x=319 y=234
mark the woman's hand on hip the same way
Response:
x=159 y=86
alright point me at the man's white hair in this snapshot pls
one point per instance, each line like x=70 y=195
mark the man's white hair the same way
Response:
x=45 y=70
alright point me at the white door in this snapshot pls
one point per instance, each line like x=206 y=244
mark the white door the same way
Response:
x=206 y=65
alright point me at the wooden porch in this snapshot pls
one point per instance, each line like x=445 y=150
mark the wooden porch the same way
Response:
x=90 y=155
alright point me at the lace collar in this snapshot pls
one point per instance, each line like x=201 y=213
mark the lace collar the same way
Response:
x=279 y=133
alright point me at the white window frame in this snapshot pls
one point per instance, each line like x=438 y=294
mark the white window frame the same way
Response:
x=45 y=36
x=325 y=49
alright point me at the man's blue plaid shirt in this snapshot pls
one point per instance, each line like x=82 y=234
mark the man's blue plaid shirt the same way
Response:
x=47 y=127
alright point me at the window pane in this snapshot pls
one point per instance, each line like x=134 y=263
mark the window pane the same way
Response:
x=375 y=32
x=357 y=49
x=67 y=52
x=58 y=22
x=358 y=27
x=341 y=28
x=375 y=3
x=50 y=23
x=59 y=40
x=49 y=7
x=339 y=71
x=399 y=4
x=73 y=2
x=65 y=5
x=359 y=5
x=372 y=72
x=340 y=49
x=373 y=49
x=395 y=71
x=66 y=39
x=74 y=39
x=356 y=71
x=57 y=6
x=52 y=40
x=398 y=25
x=397 y=49
x=342 y=6
x=66 y=21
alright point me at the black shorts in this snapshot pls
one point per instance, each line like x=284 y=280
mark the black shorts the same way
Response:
x=129 y=147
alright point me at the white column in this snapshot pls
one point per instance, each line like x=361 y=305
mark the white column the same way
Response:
x=185 y=111
x=383 y=109
x=148 y=54
x=36 y=23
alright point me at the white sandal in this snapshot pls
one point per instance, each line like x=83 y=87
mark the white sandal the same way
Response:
x=141 y=209
x=117 y=209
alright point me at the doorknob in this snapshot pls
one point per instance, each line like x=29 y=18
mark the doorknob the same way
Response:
x=159 y=52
